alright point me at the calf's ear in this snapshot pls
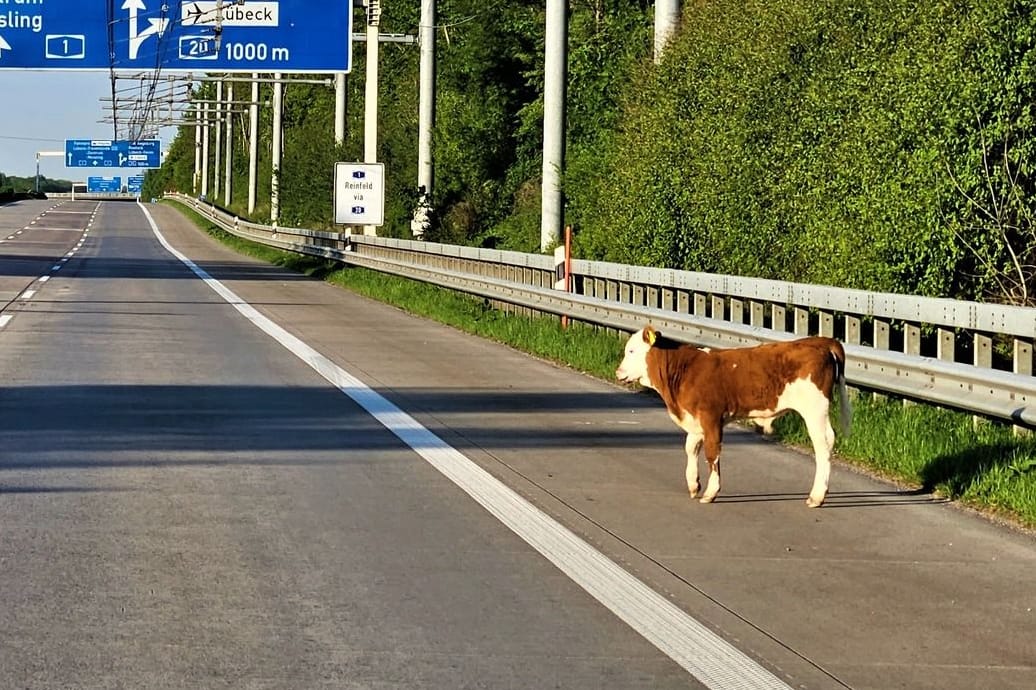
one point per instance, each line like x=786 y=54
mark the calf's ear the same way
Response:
x=650 y=335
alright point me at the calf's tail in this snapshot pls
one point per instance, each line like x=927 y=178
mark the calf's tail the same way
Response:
x=845 y=410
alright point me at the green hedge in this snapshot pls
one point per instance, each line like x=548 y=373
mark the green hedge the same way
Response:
x=828 y=142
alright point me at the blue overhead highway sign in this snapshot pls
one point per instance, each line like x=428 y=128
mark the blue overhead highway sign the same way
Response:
x=104 y=185
x=248 y=36
x=107 y=153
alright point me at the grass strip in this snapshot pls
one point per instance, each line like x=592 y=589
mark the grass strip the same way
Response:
x=982 y=465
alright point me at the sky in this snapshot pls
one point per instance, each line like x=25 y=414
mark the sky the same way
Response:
x=39 y=110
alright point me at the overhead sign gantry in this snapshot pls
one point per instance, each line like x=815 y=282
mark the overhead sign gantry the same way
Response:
x=213 y=36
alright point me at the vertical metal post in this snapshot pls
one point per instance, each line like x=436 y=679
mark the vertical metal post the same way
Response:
x=205 y=150
x=426 y=119
x=555 y=75
x=197 y=150
x=228 y=177
x=340 y=103
x=219 y=139
x=37 y=173
x=667 y=15
x=370 y=97
x=253 y=144
x=278 y=148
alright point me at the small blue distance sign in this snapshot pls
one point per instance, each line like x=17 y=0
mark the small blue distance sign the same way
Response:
x=135 y=184
x=186 y=36
x=118 y=153
x=104 y=185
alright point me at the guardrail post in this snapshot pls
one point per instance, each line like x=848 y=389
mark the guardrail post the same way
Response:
x=827 y=324
x=719 y=307
x=756 y=314
x=983 y=358
x=737 y=311
x=779 y=318
x=1022 y=364
x=700 y=305
x=853 y=331
x=683 y=302
x=801 y=322
x=667 y=299
x=946 y=348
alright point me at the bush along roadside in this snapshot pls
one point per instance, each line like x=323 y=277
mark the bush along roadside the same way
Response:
x=982 y=465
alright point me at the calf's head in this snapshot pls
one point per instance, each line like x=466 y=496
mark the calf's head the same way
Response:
x=634 y=360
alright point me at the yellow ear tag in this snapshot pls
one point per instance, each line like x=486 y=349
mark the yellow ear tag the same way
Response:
x=650 y=336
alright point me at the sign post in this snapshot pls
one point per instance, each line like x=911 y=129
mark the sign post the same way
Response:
x=246 y=36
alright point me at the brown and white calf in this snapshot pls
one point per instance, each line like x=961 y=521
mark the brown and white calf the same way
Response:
x=703 y=389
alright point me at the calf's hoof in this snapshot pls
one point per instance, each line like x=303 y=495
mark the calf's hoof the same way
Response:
x=814 y=503
x=706 y=499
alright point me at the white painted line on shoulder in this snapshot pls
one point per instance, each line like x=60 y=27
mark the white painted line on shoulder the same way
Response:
x=27 y=295
x=708 y=657
x=5 y=319
x=44 y=279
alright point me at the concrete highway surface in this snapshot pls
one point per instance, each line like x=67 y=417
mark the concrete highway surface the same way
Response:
x=218 y=474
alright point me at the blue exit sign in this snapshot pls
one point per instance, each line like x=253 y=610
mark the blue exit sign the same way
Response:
x=108 y=153
x=224 y=36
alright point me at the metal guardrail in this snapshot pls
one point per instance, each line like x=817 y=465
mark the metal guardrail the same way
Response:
x=725 y=311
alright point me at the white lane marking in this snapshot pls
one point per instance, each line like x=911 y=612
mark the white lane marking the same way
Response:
x=44 y=279
x=50 y=229
x=5 y=319
x=55 y=268
x=27 y=295
x=708 y=657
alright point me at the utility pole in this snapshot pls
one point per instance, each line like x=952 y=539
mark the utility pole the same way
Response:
x=197 y=148
x=228 y=174
x=205 y=150
x=667 y=16
x=555 y=76
x=219 y=139
x=340 y=102
x=370 y=98
x=253 y=144
x=426 y=119
x=278 y=148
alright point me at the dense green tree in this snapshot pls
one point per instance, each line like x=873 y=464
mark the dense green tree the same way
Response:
x=879 y=144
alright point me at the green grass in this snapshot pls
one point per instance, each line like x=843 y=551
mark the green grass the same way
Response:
x=984 y=465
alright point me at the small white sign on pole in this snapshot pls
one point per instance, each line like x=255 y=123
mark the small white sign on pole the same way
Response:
x=359 y=193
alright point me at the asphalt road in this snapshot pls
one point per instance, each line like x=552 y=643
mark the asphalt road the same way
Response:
x=186 y=501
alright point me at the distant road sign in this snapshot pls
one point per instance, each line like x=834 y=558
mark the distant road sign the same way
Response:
x=251 y=36
x=107 y=153
x=359 y=193
x=104 y=185
x=135 y=184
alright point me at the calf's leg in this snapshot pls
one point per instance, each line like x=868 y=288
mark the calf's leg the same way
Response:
x=823 y=437
x=713 y=444
x=693 y=445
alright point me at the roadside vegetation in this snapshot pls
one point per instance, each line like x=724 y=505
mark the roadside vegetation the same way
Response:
x=982 y=465
x=884 y=145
